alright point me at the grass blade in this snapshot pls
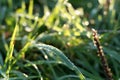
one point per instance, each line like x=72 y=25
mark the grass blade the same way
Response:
x=61 y=57
x=10 y=50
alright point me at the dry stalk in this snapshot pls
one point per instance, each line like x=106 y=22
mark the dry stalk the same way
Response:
x=101 y=54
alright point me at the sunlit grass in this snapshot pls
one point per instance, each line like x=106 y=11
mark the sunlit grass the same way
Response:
x=43 y=40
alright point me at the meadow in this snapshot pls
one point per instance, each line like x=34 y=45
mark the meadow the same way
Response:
x=53 y=39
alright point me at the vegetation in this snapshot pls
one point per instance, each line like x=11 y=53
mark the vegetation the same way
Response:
x=52 y=39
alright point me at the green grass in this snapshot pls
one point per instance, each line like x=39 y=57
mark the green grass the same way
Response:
x=51 y=40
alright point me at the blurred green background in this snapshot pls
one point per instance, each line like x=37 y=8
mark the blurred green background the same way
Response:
x=66 y=25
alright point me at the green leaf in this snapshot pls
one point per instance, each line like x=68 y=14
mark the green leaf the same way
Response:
x=56 y=53
x=10 y=50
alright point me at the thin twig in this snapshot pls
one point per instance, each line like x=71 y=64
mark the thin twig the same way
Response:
x=101 y=54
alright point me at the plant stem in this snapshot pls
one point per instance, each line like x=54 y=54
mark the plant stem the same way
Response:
x=101 y=54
